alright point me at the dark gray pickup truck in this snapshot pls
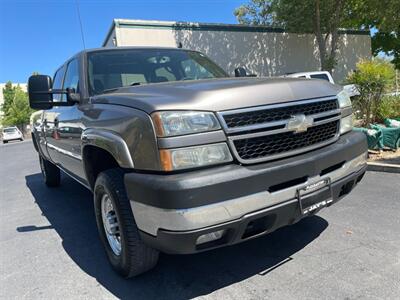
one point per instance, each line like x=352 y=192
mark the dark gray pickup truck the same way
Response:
x=181 y=158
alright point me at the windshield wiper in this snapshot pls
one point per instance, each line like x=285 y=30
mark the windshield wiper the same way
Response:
x=116 y=88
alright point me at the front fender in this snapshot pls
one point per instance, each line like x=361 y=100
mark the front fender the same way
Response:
x=111 y=142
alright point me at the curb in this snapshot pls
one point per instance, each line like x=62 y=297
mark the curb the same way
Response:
x=380 y=167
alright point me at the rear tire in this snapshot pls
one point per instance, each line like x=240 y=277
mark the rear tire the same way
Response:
x=127 y=253
x=51 y=174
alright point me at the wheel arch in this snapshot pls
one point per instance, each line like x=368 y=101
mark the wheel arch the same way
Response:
x=103 y=150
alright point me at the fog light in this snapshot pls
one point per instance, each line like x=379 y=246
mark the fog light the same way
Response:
x=208 y=237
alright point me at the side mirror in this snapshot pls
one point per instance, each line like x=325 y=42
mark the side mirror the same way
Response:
x=240 y=72
x=39 y=90
x=41 y=93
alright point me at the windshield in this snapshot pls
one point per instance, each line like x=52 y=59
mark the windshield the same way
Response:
x=112 y=69
x=9 y=130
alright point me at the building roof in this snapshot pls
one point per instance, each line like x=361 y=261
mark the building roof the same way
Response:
x=178 y=25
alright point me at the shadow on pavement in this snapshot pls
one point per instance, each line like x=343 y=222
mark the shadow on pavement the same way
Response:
x=69 y=209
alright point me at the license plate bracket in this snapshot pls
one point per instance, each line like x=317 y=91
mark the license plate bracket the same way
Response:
x=314 y=196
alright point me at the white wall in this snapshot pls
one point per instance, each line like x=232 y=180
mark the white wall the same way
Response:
x=146 y=37
x=111 y=40
x=263 y=53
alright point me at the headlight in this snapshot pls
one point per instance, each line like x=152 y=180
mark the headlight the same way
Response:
x=346 y=124
x=172 y=123
x=191 y=157
x=344 y=99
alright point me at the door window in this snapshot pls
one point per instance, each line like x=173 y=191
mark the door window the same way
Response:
x=57 y=82
x=72 y=77
x=193 y=70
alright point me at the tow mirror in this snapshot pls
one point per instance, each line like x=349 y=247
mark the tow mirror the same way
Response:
x=41 y=93
x=240 y=72
x=39 y=90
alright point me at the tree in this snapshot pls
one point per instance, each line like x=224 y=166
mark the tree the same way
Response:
x=323 y=18
x=372 y=78
x=388 y=43
x=8 y=94
x=383 y=17
x=18 y=111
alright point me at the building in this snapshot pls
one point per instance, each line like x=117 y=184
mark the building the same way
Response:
x=23 y=86
x=264 y=51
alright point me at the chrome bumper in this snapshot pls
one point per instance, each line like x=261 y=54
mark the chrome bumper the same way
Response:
x=150 y=219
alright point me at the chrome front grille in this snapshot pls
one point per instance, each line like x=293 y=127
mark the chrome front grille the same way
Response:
x=265 y=133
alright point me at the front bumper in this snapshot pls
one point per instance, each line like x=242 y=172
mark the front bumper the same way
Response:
x=172 y=211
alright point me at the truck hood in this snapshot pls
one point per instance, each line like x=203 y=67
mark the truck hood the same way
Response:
x=217 y=94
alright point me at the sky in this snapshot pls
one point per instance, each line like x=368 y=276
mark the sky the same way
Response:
x=39 y=35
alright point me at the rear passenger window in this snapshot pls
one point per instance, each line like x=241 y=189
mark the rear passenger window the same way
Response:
x=57 y=82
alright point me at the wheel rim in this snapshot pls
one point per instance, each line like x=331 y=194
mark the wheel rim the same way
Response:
x=111 y=225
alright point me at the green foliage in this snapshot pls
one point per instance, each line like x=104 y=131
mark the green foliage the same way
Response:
x=325 y=17
x=321 y=17
x=256 y=12
x=294 y=16
x=382 y=16
x=17 y=111
x=389 y=108
x=372 y=78
x=8 y=94
x=389 y=43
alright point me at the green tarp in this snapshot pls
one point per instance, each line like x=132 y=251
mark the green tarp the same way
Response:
x=379 y=136
x=390 y=136
x=374 y=137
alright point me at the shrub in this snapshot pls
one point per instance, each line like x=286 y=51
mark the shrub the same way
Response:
x=389 y=107
x=372 y=78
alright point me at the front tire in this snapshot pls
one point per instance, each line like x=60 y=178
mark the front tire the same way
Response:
x=51 y=174
x=127 y=253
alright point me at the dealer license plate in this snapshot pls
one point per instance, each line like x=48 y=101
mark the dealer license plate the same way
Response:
x=314 y=196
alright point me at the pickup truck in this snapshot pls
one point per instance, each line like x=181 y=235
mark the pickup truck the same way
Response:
x=181 y=158
x=351 y=89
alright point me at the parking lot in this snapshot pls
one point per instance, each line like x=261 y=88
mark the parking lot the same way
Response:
x=49 y=248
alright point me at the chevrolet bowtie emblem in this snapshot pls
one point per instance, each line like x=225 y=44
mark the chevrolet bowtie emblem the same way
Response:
x=300 y=123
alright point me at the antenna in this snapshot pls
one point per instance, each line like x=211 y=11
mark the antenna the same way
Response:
x=80 y=24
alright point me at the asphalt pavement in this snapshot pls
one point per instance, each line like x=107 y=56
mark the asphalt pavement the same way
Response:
x=49 y=248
